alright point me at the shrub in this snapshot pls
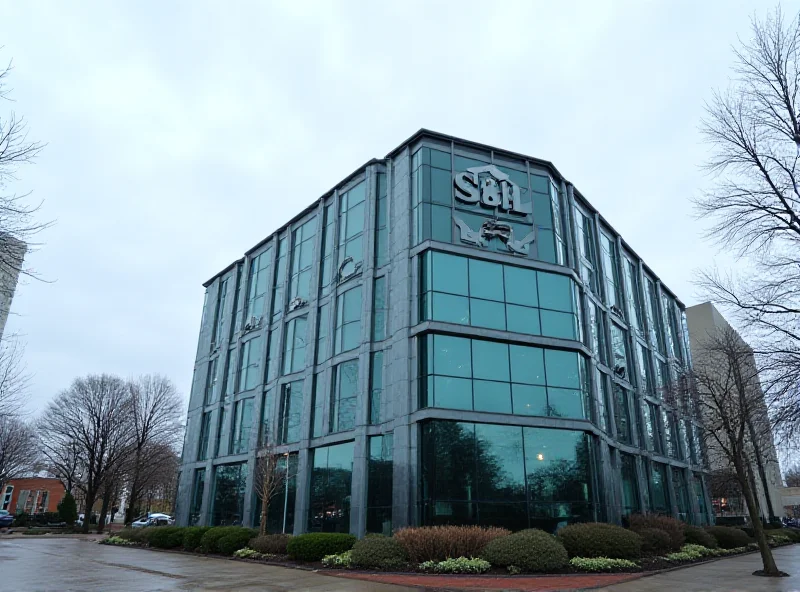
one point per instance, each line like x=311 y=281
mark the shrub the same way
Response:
x=339 y=561
x=270 y=544
x=528 y=550
x=792 y=533
x=728 y=537
x=598 y=539
x=234 y=541
x=316 y=545
x=248 y=553
x=673 y=528
x=437 y=543
x=68 y=509
x=695 y=535
x=779 y=539
x=379 y=553
x=680 y=556
x=135 y=535
x=118 y=541
x=210 y=540
x=193 y=536
x=21 y=519
x=654 y=541
x=698 y=550
x=601 y=564
x=166 y=537
x=748 y=530
x=460 y=565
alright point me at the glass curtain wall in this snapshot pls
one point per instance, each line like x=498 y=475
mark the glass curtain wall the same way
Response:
x=506 y=476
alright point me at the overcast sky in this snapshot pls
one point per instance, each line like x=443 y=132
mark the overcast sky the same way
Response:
x=180 y=134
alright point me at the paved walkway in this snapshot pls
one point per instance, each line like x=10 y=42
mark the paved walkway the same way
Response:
x=725 y=575
x=71 y=565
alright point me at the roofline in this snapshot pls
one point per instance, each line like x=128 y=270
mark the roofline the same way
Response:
x=420 y=134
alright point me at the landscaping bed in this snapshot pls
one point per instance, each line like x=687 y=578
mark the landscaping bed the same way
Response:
x=651 y=543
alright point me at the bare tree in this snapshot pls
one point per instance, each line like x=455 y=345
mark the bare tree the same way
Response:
x=156 y=413
x=17 y=447
x=18 y=222
x=270 y=479
x=726 y=382
x=14 y=380
x=94 y=414
x=792 y=477
x=62 y=457
x=753 y=129
x=160 y=482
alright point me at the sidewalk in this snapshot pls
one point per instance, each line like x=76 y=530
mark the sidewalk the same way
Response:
x=725 y=575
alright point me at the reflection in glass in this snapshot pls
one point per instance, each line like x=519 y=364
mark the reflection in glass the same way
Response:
x=505 y=475
x=227 y=508
x=379 y=485
x=331 y=481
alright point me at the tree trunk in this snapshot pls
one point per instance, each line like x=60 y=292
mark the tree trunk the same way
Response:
x=101 y=521
x=133 y=498
x=87 y=510
x=745 y=480
x=762 y=473
x=262 y=525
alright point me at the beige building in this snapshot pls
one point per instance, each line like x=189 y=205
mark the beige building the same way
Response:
x=704 y=320
x=12 y=254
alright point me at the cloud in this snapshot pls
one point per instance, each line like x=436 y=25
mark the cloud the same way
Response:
x=177 y=133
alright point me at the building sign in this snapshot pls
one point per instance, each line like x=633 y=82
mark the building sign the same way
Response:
x=490 y=187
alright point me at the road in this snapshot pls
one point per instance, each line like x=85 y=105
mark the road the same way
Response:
x=75 y=565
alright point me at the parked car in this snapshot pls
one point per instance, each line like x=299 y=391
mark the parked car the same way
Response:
x=153 y=520
x=5 y=519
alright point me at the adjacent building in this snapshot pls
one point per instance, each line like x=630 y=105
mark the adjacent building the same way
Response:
x=32 y=495
x=12 y=254
x=705 y=322
x=451 y=335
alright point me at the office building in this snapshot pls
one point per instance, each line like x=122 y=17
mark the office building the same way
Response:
x=12 y=254
x=705 y=323
x=450 y=335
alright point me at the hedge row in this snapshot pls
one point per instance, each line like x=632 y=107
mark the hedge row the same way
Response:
x=528 y=550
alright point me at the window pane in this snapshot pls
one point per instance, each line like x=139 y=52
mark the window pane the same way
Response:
x=485 y=280
x=331 y=480
x=529 y=400
x=450 y=274
x=555 y=291
x=527 y=364
x=520 y=286
x=452 y=356
x=485 y=313
x=562 y=369
x=490 y=396
x=452 y=393
x=565 y=403
x=450 y=309
x=489 y=360
x=558 y=324
x=522 y=319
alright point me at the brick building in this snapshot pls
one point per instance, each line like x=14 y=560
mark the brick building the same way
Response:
x=33 y=495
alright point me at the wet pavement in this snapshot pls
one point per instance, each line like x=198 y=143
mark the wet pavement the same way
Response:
x=725 y=575
x=74 y=565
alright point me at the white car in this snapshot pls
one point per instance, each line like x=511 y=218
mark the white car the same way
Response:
x=153 y=520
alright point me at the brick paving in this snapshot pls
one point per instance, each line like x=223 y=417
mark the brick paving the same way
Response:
x=508 y=583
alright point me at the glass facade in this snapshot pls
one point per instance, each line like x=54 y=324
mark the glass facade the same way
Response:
x=330 y=491
x=457 y=315
x=505 y=475
x=227 y=508
x=461 y=373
